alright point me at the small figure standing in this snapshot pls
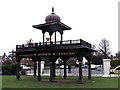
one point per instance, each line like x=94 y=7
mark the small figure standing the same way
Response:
x=30 y=42
x=4 y=57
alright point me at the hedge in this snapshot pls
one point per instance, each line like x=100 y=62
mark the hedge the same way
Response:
x=115 y=62
x=8 y=69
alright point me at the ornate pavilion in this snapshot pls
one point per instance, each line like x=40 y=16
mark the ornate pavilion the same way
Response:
x=52 y=50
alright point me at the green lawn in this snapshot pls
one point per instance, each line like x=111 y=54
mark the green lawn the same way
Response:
x=30 y=82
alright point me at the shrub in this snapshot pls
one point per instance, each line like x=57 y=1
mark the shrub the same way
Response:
x=96 y=59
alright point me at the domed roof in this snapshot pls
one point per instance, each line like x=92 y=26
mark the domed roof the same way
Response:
x=52 y=17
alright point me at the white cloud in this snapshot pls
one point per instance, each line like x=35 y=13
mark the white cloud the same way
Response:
x=91 y=20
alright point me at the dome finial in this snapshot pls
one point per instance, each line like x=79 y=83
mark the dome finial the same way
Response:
x=52 y=17
x=52 y=9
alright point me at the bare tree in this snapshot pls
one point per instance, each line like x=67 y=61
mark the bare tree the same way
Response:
x=104 y=47
x=93 y=47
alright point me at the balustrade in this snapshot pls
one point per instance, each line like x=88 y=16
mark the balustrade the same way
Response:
x=70 y=42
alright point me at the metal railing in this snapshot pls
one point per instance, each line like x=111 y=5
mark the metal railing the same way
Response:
x=70 y=42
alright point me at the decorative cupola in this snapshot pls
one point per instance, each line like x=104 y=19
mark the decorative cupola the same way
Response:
x=52 y=25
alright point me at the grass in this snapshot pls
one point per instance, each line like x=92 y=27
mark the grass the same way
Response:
x=30 y=82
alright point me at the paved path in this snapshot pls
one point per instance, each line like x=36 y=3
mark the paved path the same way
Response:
x=74 y=72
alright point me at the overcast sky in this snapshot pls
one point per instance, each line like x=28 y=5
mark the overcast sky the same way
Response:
x=90 y=20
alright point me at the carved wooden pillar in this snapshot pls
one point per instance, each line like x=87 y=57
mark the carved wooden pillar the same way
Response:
x=52 y=68
x=35 y=66
x=18 y=69
x=89 y=67
x=65 y=73
x=39 y=71
x=43 y=37
x=65 y=60
x=55 y=37
x=51 y=72
x=50 y=39
x=80 y=59
x=54 y=74
x=89 y=70
x=61 y=38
